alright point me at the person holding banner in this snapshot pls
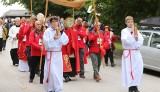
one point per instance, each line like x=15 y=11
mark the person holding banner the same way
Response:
x=54 y=38
x=35 y=39
x=97 y=42
x=132 y=63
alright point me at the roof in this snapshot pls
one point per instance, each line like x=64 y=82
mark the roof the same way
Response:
x=19 y=13
x=154 y=22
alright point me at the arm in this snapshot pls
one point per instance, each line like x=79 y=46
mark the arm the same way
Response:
x=20 y=33
x=11 y=36
x=32 y=43
x=140 y=40
x=127 y=37
x=27 y=29
x=49 y=42
x=81 y=34
x=64 y=39
x=93 y=37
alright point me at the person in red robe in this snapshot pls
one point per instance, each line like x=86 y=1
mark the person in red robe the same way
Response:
x=71 y=65
x=110 y=37
x=22 y=49
x=81 y=34
x=28 y=28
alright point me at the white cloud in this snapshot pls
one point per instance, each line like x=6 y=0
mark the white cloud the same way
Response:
x=4 y=8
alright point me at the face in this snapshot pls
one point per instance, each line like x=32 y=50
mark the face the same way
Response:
x=17 y=22
x=33 y=20
x=129 y=23
x=106 y=29
x=38 y=25
x=79 y=22
x=54 y=24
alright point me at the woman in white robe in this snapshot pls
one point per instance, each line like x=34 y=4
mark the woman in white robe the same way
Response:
x=132 y=63
x=53 y=69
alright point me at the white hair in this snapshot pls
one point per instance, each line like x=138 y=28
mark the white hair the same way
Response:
x=17 y=19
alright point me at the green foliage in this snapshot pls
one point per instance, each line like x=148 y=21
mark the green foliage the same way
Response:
x=113 y=12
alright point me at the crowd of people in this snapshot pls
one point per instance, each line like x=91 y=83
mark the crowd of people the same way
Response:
x=57 y=52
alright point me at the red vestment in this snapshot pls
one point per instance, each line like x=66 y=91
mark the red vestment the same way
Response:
x=72 y=47
x=22 y=44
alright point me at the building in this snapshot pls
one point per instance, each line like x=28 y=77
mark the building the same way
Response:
x=16 y=13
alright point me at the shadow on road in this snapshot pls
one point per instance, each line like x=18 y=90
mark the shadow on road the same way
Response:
x=152 y=72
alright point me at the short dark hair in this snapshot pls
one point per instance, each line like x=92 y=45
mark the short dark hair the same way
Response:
x=53 y=18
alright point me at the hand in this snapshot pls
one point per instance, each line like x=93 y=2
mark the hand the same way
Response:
x=56 y=37
x=136 y=37
x=42 y=48
x=14 y=38
x=101 y=47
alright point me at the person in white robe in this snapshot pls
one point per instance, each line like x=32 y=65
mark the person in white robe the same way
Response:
x=53 y=69
x=13 y=38
x=132 y=63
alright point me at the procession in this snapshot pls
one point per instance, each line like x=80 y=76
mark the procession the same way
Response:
x=57 y=50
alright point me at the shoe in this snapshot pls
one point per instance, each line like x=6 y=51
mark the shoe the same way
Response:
x=69 y=79
x=113 y=65
x=94 y=77
x=66 y=79
x=31 y=80
x=3 y=48
x=82 y=76
x=136 y=89
x=41 y=82
x=106 y=64
x=98 y=78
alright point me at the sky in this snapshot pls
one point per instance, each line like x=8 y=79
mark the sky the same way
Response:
x=4 y=8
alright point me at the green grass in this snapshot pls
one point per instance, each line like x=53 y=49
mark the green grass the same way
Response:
x=118 y=45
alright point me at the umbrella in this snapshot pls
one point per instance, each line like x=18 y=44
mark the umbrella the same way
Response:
x=69 y=3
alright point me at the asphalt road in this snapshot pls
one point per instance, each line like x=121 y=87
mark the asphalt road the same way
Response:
x=12 y=80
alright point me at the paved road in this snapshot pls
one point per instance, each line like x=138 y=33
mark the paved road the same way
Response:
x=11 y=80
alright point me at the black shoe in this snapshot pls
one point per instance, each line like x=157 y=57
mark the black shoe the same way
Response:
x=135 y=89
x=31 y=80
x=82 y=76
x=113 y=65
x=66 y=79
x=41 y=82
x=69 y=79
x=3 y=48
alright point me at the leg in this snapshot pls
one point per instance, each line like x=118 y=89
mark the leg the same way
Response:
x=81 y=57
x=15 y=54
x=94 y=59
x=12 y=55
x=111 y=58
x=4 y=44
x=106 y=57
x=1 y=43
x=28 y=54
x=34 y=63
x=42 y=70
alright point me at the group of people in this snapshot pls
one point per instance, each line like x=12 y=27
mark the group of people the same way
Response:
x=60 y=51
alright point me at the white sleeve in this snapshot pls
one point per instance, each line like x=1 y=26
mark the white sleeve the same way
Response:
x=140 y=40
x=49 y=42
x=127 y=38
x=11 y=34
x=63 y=39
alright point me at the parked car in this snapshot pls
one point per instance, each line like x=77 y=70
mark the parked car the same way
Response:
x=151 y=49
